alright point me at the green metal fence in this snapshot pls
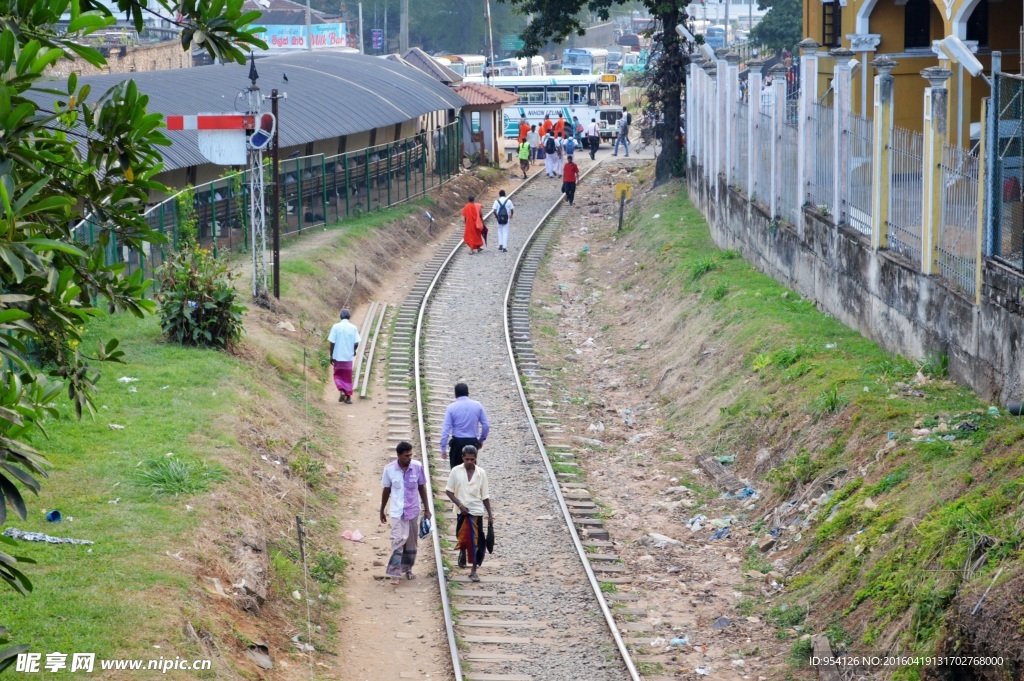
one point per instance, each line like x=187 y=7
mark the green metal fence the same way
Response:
x=315 y=191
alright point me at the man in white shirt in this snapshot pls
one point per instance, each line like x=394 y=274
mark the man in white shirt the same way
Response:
x=533 y=137
x=560 y=144
x=467 y=489
x=593 y=133
x=344 y=339
x=503 y=206
x=550 y=154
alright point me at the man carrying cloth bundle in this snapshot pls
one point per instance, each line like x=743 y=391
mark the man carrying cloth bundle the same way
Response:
x=467 y=489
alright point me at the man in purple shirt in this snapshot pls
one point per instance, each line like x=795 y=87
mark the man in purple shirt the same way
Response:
x=465 y=422
x=404 y=477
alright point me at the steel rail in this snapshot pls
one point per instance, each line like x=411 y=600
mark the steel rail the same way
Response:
x=609 y=618
x=424 y=452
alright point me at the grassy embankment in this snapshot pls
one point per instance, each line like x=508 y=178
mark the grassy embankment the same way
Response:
x=164 y=498
x=916 y=518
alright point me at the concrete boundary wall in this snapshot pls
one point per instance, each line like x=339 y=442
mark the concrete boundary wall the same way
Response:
x=877 y=292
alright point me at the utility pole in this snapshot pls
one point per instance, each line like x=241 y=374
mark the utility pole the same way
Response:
x=726 y=22
x=361 y=28
x=403 y=28
x=309 y=28
x=490 y=35
x=276 y=203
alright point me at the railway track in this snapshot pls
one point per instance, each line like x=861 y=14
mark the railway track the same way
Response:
x=538 y=612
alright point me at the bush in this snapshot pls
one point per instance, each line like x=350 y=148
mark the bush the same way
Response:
x=197 y=300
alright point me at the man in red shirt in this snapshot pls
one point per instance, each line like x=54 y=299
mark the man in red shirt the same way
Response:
x=570 y=172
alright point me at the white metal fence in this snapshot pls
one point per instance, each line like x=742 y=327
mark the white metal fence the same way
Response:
x=905 y=186
x=859 y=175
x=820 y=189
x=789 y=195
x=956 y=251
x=742 y=146
x=764 y=158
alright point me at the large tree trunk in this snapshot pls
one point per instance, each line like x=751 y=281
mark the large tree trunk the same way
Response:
x=670 y=74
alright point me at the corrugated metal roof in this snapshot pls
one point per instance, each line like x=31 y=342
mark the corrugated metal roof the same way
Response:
x=329 y=94
x=478 y=94
x=424 y=62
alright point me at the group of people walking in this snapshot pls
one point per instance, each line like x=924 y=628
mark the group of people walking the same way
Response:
x=404 y=492
x=403 y=482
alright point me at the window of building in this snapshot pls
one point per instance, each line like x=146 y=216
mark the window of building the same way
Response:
x=917 y=24
x=831 y=24
x=977 y=25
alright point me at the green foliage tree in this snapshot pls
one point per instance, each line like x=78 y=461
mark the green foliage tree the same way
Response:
x=557 y=19
x=781 y=28
x=67 y=153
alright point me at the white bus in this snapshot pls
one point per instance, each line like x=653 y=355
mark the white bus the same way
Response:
x=467 y=64
x=584 y=97
x=585 y=60
x=534 y=66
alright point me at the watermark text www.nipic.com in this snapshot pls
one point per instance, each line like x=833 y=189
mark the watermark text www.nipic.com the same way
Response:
x=53 y=663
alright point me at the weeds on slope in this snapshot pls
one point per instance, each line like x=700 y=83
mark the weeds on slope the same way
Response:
x=924 y=481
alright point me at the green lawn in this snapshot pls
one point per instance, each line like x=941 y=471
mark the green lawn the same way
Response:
x=99 y=598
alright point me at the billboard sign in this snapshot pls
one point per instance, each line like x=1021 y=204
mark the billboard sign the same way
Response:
x=295 y=37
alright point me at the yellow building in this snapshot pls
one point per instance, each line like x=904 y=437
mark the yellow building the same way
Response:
x=905 y=31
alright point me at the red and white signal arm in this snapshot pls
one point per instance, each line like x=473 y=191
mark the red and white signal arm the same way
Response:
x=264 y=132
x=222 y=137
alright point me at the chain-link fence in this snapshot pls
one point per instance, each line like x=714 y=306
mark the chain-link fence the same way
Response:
x=906 y=164
x=1006 y=240
x=858 y=174
x=315 y=191
x=956 y=251
x=821 y=119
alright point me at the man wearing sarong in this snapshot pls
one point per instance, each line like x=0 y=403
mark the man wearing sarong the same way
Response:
x=465 y=422
x=472 y=233
x=467 y=489
x=406 y=486
x=344 y=339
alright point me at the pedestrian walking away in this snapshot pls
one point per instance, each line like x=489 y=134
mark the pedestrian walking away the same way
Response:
x=465 y=423
x=524 y=157
x=559 y=127
x=550 y=155
x=473 y=231
x=546 y=125
x=570 y=173
x=593 y=133
x=524 y=129
x=405 y=485
x=467 y=489
x=534 y=139
x=503 y=210
x=344 y=339
x=623 y=125
x=560 y=146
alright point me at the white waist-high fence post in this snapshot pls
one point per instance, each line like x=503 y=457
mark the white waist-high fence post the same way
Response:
x=779 y=183
x=688 y=120
x=881 y=154
x=714 y=128
x=754 y=127
x=693 y=111
x=732 y=98
x=936 y=101
x=703 y=133
x=842 y=86
x=805 y=145
x=722 y=124
x=753 y=66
